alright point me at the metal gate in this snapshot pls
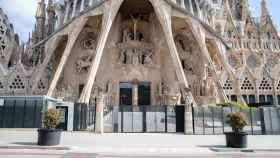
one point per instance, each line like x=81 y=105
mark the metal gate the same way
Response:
x=84 y=116
x=139 y=119
x=21 y=112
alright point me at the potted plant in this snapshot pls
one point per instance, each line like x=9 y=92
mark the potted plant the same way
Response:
x=49 y=135
x=237 y=138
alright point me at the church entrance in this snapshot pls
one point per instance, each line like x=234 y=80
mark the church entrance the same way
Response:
x=137 y=94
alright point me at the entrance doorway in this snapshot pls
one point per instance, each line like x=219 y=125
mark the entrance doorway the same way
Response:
x=63 y=120
x=180 y=118
x=144 y=93
x=141 y=91
x=125 y=93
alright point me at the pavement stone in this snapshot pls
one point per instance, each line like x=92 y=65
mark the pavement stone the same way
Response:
x=136 y=143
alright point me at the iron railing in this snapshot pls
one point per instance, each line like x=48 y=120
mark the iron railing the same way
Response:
x=212 y=120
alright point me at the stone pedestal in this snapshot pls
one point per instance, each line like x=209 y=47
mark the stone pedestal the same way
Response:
x=99 y=124
x=188 y=120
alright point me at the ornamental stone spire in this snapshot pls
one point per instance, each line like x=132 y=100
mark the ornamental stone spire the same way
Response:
x=50 y=17
x=40 y=20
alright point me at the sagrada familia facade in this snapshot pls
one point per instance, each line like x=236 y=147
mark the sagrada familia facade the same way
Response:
x=144 y=52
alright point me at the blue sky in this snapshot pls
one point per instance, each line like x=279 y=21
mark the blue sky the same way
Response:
x=21 y=13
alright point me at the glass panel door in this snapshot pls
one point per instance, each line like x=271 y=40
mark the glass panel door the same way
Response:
x=125 y=93
x=144 y=93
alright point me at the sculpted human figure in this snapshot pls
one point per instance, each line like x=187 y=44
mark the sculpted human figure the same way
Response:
x=122 y=58
x=148 y=57
x=135 y=57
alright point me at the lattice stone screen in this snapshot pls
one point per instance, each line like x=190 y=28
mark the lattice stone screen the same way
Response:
x=228 y=85
x=265 y=85
x=17 y=83
x=247 y=85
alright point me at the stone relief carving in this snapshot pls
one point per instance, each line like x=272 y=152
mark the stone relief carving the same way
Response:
x=185 y=53
x=89 y=41
x=83 y=64
x=148 y=57
x=134 y=49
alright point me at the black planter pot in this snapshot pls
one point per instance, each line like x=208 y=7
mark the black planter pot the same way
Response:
x=49 y=137
x=236 y=140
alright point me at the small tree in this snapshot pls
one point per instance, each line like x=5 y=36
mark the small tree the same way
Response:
x=237 y=121
x=51 y=118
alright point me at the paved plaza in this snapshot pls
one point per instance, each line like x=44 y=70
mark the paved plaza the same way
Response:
x=23 y=142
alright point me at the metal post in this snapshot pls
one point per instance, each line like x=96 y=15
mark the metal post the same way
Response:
x=121 y=107
x=94 y=117
x=251 y=119
x=270 y=117
x=203 y=125
x=132 y=120
x=223 y=120
x=13 y=115
x=3 y=114
x=24 y=113
x=193 y=120
x=213 y=121
x=165 y=117
x=262 y=121
x=34 y=114
x=144 y=119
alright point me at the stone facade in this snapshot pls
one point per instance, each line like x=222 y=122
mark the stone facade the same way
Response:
x=167 y=52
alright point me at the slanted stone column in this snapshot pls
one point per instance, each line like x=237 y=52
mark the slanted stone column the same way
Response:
x=163 y=13
x=99 y=124
x=74 y=8
x=183 y=4
x=91 y=2
x=110 y=12
x=78 y=26
x=190 y=6
x=82 y=5
x=67 y=12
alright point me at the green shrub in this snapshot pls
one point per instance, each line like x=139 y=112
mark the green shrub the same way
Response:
x=237 y=121
x=234 y=105
x=51 y=118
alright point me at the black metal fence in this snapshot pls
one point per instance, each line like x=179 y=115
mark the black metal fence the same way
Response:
x=21 y=112
x=212 y=120
x=137 y=119
x=84 y=116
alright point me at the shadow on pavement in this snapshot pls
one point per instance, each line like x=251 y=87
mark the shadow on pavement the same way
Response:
x=211 y=146
x=25 y=143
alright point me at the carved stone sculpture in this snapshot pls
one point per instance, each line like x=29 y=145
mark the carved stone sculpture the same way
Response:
x=83 y=64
